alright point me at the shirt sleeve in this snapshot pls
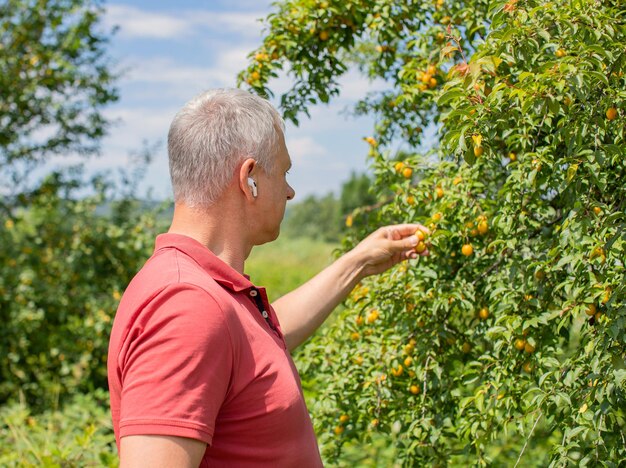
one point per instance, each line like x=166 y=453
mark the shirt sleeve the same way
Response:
x=175 y=366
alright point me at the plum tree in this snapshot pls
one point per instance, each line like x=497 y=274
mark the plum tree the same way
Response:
x=514 y=232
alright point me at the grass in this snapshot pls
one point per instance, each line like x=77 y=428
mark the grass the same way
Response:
x=285 y=264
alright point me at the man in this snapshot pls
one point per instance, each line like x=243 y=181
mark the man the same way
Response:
x=199 y=367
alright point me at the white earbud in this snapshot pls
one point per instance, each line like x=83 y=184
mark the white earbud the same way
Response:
x=252 y=185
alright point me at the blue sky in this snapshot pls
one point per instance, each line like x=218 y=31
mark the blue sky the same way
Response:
x=172 y=51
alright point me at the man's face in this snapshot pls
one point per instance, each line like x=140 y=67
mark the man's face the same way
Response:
x=273 y=193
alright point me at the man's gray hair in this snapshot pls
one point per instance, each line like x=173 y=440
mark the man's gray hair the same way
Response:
x=212 y=134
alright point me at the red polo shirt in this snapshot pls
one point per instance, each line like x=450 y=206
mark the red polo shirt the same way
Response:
x=196 y=351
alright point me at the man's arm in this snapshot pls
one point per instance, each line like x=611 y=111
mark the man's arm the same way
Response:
x=158 y=451
x=303 y=310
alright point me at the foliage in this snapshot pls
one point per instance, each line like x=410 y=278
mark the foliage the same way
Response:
x=54 y=79
x=507 y=344
x=64 y=267
x=81 y=434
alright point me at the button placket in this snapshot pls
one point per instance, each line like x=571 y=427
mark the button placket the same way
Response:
x=259 y=304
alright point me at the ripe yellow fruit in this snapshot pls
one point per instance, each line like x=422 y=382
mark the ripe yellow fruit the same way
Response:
x=414 y=389
x=457 y=180
x=344 y=418
x=359 y=320
x=426 y=78
x=255 y=76
x=421 y=235
x=432 y=83
x=371 y=141
x=529 y=348
x=597 y=210
x=611 y=113
x=420 y=247
x=355 y=336
x=410 y=200
x=432 y=70
x=408 y=361
x=338 y=430
x=467 y=250
x=407 y=172
x=372 y=316
x=397 y=371
x=398 y=166
x=439 y=191
x=520 y=344
x=349 y=221
x=466 y=348
x=512 y=156
x=591 y=310
x=483 y=313
x=358 y=360
x=483 y=227
x=324 y=36
x=528 y=367
x=560 y=53
x=478 y=151
x=437 y=216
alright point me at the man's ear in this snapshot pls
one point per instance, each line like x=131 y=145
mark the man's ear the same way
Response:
x=248 y=169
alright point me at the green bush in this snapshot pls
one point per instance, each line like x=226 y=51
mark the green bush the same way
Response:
x=79 y=435
x=64 y=268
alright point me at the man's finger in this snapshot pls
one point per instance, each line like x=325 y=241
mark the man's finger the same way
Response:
x=407 y=243
x=408 y=229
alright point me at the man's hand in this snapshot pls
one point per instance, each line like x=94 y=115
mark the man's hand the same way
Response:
x=302 y=311
x=386 y=247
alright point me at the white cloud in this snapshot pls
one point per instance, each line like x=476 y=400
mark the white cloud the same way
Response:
x=305 y=147
x=165 y=78
x=137 y=23
x=134 y=124
x=134 y=22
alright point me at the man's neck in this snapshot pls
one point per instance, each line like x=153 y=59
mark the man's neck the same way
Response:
x=214 y=228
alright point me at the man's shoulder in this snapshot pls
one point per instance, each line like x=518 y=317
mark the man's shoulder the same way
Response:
x=170 y=266
x=168 y=271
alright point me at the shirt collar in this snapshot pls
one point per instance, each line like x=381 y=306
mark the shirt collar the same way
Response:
x=219 y=270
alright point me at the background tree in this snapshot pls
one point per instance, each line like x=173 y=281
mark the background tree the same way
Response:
x=54 y=81
x=507 y=345
x=63 y=262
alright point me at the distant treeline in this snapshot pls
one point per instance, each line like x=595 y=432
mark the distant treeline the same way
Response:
x=323 y=217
